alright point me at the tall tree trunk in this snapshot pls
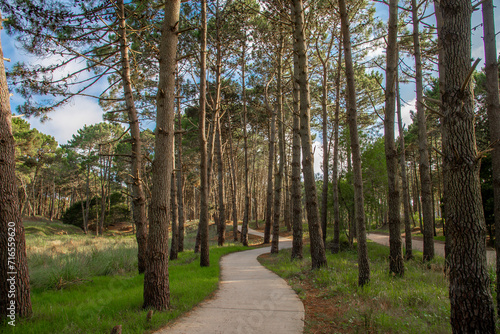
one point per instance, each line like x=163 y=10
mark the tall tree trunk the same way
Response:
x=318 y=256
x=156 y=282
x=359 y=214
x=220 y=174
x=297 y=243
x=470 y=297
x=396 y=265
x=404 y=178
x=204 y=192
x=87 y=201
x=278 y=179
x=270 y=170
x=246 y=212
x=138 y=196
x=179 y=174
x=425 y=176
x=14 y=276
x=233 y=181
x=493 y=110
x=335 y=182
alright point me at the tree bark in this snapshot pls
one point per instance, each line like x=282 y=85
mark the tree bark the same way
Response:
x=220 y=174
x=297 y=243
x=138 y=196
x=278 y=179
x=493 y=110
x=156 y=282
x=396 y=265
x=204 y=193
x=335 y=182
x=233 y=182
x=359 y=215
x=318 y=256
x=179 y=175
x=270 y=170
x=425 y=176
x=14 y=276
x=246 y=212
x=470 y=297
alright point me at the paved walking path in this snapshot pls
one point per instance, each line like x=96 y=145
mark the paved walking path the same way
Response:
x=419 y=245
x=250 y=299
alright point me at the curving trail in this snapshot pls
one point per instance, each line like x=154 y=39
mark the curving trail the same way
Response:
x=418 y=244
x=250 y=299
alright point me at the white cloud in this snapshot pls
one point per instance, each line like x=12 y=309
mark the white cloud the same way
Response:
x=65 y=122
x=405 y=112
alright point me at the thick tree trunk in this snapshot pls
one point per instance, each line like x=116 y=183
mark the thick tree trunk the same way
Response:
x=297 y=243
x=138 y=196
x=425 y=176
x=318 y=256
x=359 y=214
x=335 y=182
x=404 y=179
x=156 y=282
x=278 y=179
x=493 y=109
x=204 y=191
x=470 y=296
x=396 y=265
x=14 y=277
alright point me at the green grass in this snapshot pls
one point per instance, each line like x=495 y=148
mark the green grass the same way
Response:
x=87 y=284
x=105 y=301
x=416 y=303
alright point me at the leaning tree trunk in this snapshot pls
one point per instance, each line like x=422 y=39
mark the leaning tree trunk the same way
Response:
x=156 y=282
x=14 y=277
x=470 y=296
x=278 y=184
x=318 y=256
x=359 y=214
x=396 y=265
x=425 y=176
x=335 y=182
x=297 y=243
x=493 y=109
x=138 y=196
x=204 y=193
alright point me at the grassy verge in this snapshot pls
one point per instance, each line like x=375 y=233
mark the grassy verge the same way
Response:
x=416 y=303
x=83 y=284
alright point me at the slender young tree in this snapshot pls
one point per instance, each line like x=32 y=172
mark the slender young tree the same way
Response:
x=470 y=296
x=156 y=282
x=278 y=183
x=270 y=169
x=493 y=110
x=297 y=243
x=246 y=211
x=425 y=174
x=318 y=255
x=359 y=214
x=203 y=225
x=396 y=264
x=336 y=205
x=179 y=174
x=13 y=267
x=174 y=242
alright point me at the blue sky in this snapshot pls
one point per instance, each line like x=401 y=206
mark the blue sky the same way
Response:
x=65 y=121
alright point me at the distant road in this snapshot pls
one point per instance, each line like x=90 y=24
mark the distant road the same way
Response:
x=418 y=244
